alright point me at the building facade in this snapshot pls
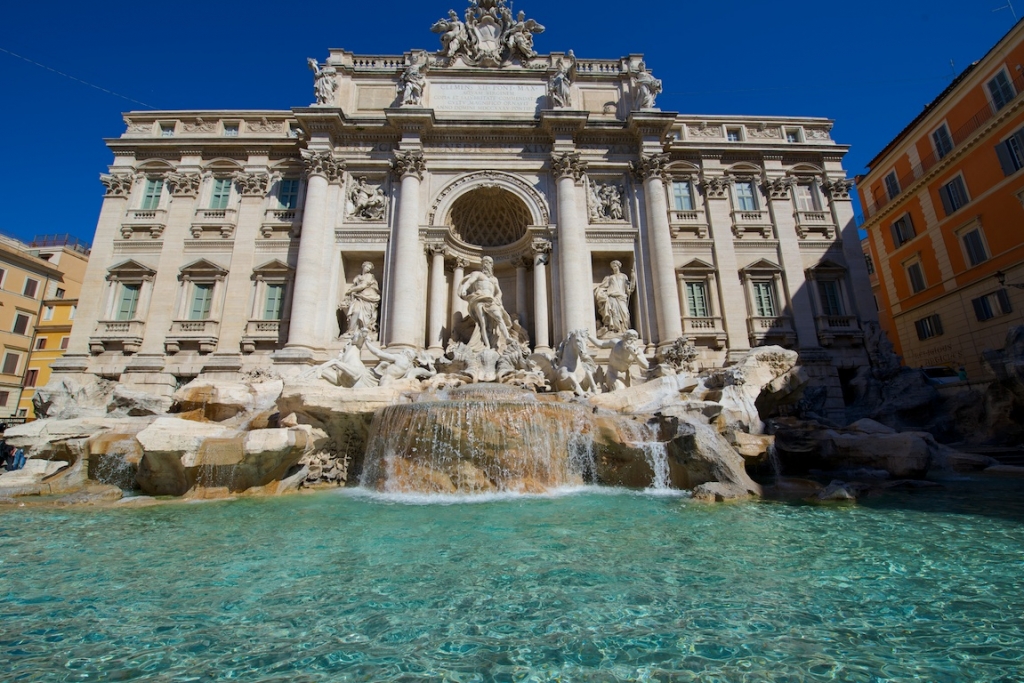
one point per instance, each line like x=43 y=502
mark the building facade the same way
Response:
x=232 y=240
x=943 y=207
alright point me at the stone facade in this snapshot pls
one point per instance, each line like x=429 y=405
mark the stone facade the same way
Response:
x=234 y=240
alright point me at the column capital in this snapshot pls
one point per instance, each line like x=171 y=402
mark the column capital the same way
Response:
x=778 y=188
x=184 y=184
x=436 y=249
x=839 y=189
x=410 y=163
x=117 y=184
x=714 y=187
x=323 y=164
x=568 y=165
x=252 y=184
x=650 y=166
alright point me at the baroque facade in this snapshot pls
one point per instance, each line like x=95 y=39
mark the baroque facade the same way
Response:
x=235 y=240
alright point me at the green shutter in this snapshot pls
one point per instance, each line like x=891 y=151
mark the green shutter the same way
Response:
x=696 y=300
x=202 y=297
x=129 y=300
x=272 y=309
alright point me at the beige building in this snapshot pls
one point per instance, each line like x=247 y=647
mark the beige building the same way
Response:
x=234 y=240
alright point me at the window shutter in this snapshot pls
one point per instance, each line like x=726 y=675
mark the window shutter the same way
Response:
x=897 y=242
x=1005 y=160
x=980 y=309
x=947 y=204
x=921 y=334
x=937 y=324
x=1003 y=296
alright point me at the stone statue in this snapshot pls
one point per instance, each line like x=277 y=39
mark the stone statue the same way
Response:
x=612 y=298
x=348 y=370
x=573 y=368
x=560 y=85
x=361 y=301
x=413 y=82
x=625 y=351
x=489 y=36
x=454 y=36
x=368 y=204
x=483 y=294
x=404 y=364
x=324 y=84
x=645 y=87
x=518 y=36
x=606 y=202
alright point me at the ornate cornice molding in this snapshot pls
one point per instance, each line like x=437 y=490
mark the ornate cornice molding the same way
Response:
x=410 y=163
x=568 y=165
x=118 y=184
x=323 y=164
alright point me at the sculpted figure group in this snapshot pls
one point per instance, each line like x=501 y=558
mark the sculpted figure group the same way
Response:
x=489 y=34
x=367 y=203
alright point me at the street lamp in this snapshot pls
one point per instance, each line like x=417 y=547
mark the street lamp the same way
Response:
x=1001 y=276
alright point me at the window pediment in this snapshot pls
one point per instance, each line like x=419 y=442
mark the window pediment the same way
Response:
x=129 y=271
x=761 y=266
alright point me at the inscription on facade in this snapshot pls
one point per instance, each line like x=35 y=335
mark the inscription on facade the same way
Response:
x=487 y=97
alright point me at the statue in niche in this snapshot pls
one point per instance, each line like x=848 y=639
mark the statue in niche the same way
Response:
x=645 y=87
x=612 y=299
x=625 y=351
x=560 y=85
x=368 y=204
x=324 y=84
x=413 y=81
x=359 y=307
x=483 y=294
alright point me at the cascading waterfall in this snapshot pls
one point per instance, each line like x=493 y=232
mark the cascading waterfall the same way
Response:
x=645 y=437
x=479 y=439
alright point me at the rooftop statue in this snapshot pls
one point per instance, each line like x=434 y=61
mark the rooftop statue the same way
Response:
x=560 y=85
x=489 y=36
x=413 y=81
x=645 y=87
x=324 y=83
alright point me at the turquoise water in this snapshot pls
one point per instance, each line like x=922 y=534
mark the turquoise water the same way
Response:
x=588 y=586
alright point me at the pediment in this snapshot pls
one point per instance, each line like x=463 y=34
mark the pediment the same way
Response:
x=761 y=265
x=273 y=267
x=130 y=268
x=828 y=266
x=697 y=265
x=203 y=267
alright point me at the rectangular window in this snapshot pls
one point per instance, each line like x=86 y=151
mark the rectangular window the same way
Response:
x=792 y=135
x=151 y=194
x=764 y=299
x=31 y=287
x=20 y=323
x=231 y=130
x=953 y=195
x=167 y=130
x=1011 y=153
x=41 y=344
x=831 y=301
x=288 y=194
x=943 y=141
x=745 y=200
x=697 y=300
x=48 y=313
x=129 y=300
x=2 y=273
x=869 y=263
x=59 y=294
x=64 y=343
x=71 y=315
x=974 y=247
x=992 y=305
x=11 y=361
x=902 y=230
x=892 y=185
x=5 y=396
x=221 y=193
x=682 y=196
x=202 y=298
x=31 y=377
x=1001 y=90
x=733 y=134
x=928 y=327
x=275 y=295
x=916 y=277
x=807 y=197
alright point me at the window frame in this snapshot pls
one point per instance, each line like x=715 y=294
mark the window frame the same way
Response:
x=982 y=244
x=18 y=318
x=40 y=344
x=220 y=193
x=17 y=363
x=31 y=378
x=813 y=194
x=951 y=204
x=48 y=313
x=773 y=297
x=119 y=310
x=688 y=184
x=64 y=343
x=890 y=192
x=898 y=236
x=992 y=305
x=836 y=296
x=929 y=327
x=152 y=193
x=737 y=197
x=940 y=151
x=734 y=134
x=915 y=263
x=1010 y=151
x=25 y=288
x=691 y=303
x=281 y=193
x=991 y=94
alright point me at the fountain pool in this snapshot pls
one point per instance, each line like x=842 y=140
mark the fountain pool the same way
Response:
x=589 y=585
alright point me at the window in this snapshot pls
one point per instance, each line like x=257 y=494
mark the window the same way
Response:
x=974 y=246
x=2 y=274
x=5 y=396
x=682 y=196
x=745 y=200
x=953 y=195
x=733 y=134
x=221 y=193
x=41 y=344
x=129 y=301
x=288 y=193
x=31 y=377
x=11 y=361
x=64 y=343
x=275 y=295
x=831 y=301
x=792 y=135
x=992 y=305
x=807 y=197
x=764 y=299
x=71 y=315
x=1011 y=153
x=151 y=193
x=892 y=185
x=1001 y=90
x=31 y=286
x=869 y=263
x=943 y=141
x=697 y=300
x=202 y=298
x=59 y=294
x=167 y=130
x=916 y=277
x=928 y=327
x=231 y=130
x=48 y=313
x=902 y=230
x=20 y=323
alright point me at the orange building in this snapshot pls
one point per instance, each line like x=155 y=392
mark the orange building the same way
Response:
x=944 y=209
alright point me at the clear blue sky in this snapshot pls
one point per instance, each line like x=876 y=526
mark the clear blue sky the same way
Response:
x=871 y=66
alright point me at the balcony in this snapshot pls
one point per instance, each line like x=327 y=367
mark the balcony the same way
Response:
x=151 y=222
x=688 y=222
x=708 y=331
x=264 y=333
x=808 y=222
x=280 y=222
x=125 y=334
x=754 y=222
x=199 y=333
x=832 y=327
x=215 y=221
x=775 y=330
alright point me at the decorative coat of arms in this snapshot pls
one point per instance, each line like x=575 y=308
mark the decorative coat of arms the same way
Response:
x=489 y=36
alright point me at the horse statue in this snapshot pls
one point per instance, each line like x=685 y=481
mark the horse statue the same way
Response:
x=574 y=367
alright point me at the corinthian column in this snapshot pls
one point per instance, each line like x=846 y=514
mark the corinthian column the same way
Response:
x=322 y=169
x=406 y=300
x=651 y=168
x=541 y=342
x=438 y=303
x=573 y=253
x=459 y=304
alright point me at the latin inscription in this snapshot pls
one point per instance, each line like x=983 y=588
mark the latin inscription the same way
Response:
x=485 y=98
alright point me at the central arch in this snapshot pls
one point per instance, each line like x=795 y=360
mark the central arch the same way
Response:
x=489 y=217
x=527 y=194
